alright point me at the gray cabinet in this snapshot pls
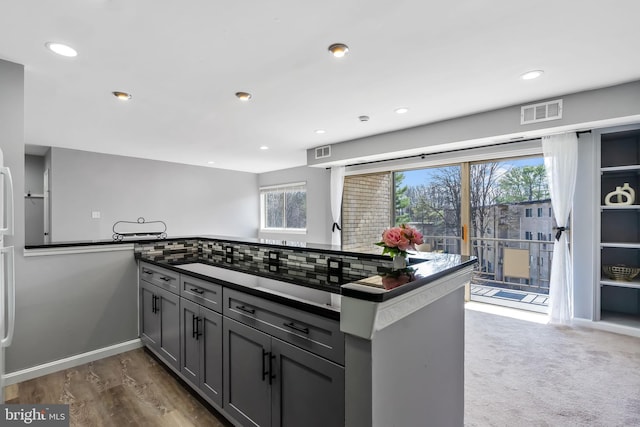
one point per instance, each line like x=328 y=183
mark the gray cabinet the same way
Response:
x=161 y=277
x=201 y=348
x=268 y=382
x=159 y=322
x=247 y=392
x=308 y=390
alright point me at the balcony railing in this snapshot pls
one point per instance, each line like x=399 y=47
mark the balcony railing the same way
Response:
x=490 y=269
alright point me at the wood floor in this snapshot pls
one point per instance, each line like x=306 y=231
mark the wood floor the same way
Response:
x=129 y=389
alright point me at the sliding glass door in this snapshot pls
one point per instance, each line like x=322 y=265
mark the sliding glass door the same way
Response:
x=511 y=232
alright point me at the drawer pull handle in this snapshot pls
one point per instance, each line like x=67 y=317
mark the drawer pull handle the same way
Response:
x=196 y=327
x=271 y=375
x=145 y=271
x=264 y=367
x=296 y=327
x=245 y=309
x=165 y=278
x=197 y=291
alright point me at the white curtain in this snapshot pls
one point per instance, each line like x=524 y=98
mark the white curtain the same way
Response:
x=337 y=185
x=561 y=164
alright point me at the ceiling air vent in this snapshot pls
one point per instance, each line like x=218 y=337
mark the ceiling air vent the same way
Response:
x=323 y=152
x=542 y=112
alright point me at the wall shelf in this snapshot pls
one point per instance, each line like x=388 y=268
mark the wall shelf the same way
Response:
x=620 y=245
x=629 y=168
x=609 y=282
x=620 y=207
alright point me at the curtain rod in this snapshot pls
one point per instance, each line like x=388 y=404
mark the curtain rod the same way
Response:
x=424 y=155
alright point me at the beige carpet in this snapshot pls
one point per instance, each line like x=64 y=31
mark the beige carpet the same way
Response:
x=519 y=373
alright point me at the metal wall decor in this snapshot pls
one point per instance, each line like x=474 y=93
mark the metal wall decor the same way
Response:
x=123 y=229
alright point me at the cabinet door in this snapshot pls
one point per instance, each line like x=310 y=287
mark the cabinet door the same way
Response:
x=189 y=341
x=169 y=305
x=211 y=354
x=149 y=320
x=247 y=393
x=307 y=391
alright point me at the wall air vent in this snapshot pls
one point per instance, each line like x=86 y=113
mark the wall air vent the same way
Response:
x=323 y=152
x=542 y=112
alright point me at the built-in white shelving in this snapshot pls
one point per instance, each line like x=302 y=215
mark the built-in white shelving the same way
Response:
x=619 y=300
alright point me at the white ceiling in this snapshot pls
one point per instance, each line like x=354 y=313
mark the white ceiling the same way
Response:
x=184 y=60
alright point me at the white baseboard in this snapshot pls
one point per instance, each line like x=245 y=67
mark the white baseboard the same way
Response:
x=70 y=362
x=603 y=325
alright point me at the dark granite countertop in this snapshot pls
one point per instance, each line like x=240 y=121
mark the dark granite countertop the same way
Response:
x=283 y=287
x=383 y=287
x=377 y=288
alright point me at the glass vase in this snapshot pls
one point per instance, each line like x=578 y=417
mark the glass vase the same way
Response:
x=399 y=262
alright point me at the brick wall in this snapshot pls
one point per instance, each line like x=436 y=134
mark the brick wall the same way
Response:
x=366 y=211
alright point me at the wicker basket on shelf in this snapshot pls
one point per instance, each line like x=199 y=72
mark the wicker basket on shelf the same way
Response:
x=620 y=272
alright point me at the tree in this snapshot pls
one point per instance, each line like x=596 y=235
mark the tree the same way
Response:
x=484 y=193
x=401 y=199
x=523 y=184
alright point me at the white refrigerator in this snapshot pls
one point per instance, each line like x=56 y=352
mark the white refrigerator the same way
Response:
x=7 y=275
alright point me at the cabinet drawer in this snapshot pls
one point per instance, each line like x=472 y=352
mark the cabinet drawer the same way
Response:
x=166 y=279
x=311 y=332
x=202 y=292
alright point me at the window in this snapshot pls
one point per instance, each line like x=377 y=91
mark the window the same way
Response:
x=540 y=236
x=528 y=235
x=284 y=207
x=549 y=212
x=528 y=212
x=539 y=212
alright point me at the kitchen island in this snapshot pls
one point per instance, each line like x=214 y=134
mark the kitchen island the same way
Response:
x=330 y=341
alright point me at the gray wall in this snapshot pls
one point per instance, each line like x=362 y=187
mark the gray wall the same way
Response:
x=583 y=232
x=584 y=107
x=318 y=202
x=191 y=200
x=72 y=304
x=34 y=207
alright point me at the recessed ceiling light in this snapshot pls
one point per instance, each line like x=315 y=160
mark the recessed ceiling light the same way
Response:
x=210 y=162
x=338 y=49
x=61 y=49
x=530 y=75
x=320 y=131
x=264 y=147
x=401 y=110
x=123 y=96
x=243 y=96
x=364 y=118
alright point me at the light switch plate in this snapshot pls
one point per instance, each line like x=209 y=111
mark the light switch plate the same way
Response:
x=95 y=214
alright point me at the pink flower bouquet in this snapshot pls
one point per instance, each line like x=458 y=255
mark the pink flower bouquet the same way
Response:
x=397 y=240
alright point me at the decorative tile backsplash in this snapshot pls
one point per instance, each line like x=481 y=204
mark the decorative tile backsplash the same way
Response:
x=294 y=261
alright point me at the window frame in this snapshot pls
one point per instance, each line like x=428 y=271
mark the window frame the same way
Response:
x=281 y=188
